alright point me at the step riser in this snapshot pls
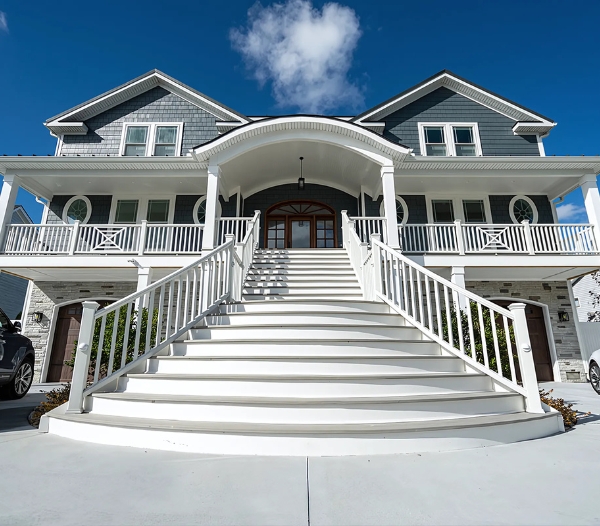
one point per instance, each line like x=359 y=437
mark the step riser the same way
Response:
x=305 y=366
x=306 y=388
x=250 y=349
x=307 y=306
x=307 y=445
x=302 y=291
x=303 y=333
x=293 y=414
x=308 y=320
x=299 y=297
x=333 y=285
x=300 y=278
x=308 y=273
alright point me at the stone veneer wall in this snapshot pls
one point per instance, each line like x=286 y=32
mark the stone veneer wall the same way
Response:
x=556 y=295
x=45 y=295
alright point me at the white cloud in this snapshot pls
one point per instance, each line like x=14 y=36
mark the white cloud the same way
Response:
x=571 y=213
x=305 y=53
x=3 y=22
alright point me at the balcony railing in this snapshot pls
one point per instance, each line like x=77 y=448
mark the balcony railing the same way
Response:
x=145 y=238
x=459 y=238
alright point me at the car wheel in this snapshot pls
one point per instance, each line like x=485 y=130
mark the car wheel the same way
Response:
x=20 y=384
x=595 y=377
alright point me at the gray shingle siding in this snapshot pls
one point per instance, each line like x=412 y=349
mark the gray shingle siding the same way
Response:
x=332 y=197
x=156 y=105
x=444 y=105
x=100 y=209
x=499 y=205
x=417 y=207
x=12 y=294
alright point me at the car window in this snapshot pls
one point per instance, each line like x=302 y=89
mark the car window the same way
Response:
x=4 y=321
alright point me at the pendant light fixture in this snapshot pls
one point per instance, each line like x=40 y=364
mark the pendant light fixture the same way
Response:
x=301 y=178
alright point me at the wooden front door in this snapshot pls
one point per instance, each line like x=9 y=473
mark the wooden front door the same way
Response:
x=539 y=340
x=65 y=334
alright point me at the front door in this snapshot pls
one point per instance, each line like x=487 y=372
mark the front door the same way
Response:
x=539 y=340
x=300 y=224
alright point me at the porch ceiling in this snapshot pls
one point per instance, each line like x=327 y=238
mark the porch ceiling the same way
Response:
x=276 y=164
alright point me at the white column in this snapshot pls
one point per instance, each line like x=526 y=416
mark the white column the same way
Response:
x=591 y=198
x=458 y=278
x=212 y=198
x=389 y=205
x=8 y=197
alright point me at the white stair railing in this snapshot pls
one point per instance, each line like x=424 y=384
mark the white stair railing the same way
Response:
x=122 y=336
x=244 y=254
x=358 y=252
x=468 y=326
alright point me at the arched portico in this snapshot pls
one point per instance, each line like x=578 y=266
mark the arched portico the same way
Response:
x=266 y=153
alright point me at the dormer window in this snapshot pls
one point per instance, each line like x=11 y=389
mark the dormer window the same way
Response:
x=152 y=139
x=449 y=139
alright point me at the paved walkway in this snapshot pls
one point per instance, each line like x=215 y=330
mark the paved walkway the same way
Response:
x=50 y=480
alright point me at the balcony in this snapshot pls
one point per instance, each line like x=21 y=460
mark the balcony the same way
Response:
x=463 y=239
x=139 y=239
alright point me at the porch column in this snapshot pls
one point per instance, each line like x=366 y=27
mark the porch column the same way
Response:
x=389 y=205
x=458 y=278
x=591 y=198
x=8 y=197
x=212 y=197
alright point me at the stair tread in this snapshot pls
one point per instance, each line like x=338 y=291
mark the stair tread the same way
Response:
x=306 y=341
x=271 y=428
x=304 y=376
x=258 y=400
x=303 y=357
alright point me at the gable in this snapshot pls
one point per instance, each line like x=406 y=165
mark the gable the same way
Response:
x=444 y=105
x=156 y=105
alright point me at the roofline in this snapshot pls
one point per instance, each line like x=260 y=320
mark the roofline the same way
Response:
x=153 y=72
x=269 y=119
x=21 y=209
x=447 y=72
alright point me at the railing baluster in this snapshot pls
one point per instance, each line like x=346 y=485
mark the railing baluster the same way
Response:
x=511 y=360
x=125 y=349
x=100 y=349
x=496 y=346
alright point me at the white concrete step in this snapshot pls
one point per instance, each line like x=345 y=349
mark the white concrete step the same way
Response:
x=303 y=296
x=301 y=272
x=304 y=440
x=303 y=365
x=348 y=410
x=307 y=305
x=300 y=278
x=322 y=284
x=315 y=255
x=323 y=332
x=336 y=292
x=302 y=264
x=282 y=348
x=306 y=319
x=296 y=385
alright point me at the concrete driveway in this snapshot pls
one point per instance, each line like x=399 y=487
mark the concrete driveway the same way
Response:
x=50 y=480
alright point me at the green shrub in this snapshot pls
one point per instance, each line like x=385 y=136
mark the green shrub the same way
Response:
x=54 y=398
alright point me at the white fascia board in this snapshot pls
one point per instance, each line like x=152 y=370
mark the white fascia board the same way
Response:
x=533 y=128
x=20 y=163
x=67 y=128
x=476 y=94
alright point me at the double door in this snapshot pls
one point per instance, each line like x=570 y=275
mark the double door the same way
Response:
x=295 y=231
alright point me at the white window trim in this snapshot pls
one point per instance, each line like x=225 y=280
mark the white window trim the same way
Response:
x=142 y=207
x=70 y=202
x=150 y=144
x=457 y=205
x=531 y=203
x=404 y=205
x=449 y=136
x=197 y=205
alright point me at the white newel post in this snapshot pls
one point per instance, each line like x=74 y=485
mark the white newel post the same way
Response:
x=237 y=269
x=144 y=280
x=82 y=357
x=458 y=278
x=376 y=262
x=525 y=354
x=460 y=240
x=389 y=205
x=591 y=198
x=8 y=198
x=212 y=198
x=528 y=237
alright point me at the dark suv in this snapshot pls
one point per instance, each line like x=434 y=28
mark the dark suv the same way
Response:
x=16 y=360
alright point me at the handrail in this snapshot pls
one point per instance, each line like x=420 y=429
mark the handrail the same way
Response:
x=472 y=328
x=121 y=337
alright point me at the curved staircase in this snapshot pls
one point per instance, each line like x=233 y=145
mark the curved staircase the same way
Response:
x=304 y=366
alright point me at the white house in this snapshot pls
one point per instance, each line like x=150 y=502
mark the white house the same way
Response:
x=373 y=231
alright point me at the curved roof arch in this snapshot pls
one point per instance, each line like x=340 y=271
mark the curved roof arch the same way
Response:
x=301 y=128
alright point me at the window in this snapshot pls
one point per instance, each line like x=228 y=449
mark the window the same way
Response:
x=126 y=211
x=443 y=210
x=159 y=139
x=474 y=211
x=77 y=208
x=199 y=212
x=165 y=141
x=449 y=139
x=521 y=208
x=401 y=210
x=158 y=211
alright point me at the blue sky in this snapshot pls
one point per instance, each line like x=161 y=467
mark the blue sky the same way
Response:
x=542 y=55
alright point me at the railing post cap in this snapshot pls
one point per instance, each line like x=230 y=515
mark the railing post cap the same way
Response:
x=90 y=305
x=517 y=306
